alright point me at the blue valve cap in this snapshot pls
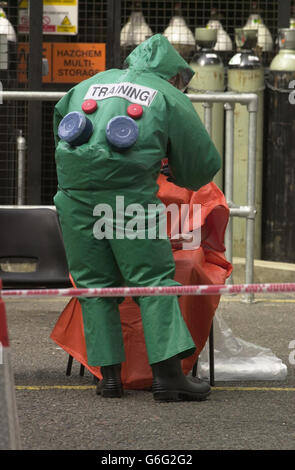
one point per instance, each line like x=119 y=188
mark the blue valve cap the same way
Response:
x=75 y=128
x=122 y=132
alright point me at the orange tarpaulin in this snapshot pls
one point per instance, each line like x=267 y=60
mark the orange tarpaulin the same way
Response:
x=204 y=265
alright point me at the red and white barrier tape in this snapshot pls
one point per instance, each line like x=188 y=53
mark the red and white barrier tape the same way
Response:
x=154 y=291
x=4 y=341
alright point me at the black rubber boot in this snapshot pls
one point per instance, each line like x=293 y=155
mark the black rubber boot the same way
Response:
x=110 y=386
x=170 y=383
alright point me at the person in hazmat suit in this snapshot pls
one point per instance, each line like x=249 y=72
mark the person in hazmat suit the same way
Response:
x=112 y=132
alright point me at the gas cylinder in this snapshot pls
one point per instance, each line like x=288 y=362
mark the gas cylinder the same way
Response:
x=209 y=76
x=136 y=30
x=246 y=75
x=179 y=34
x=7 y=42
x=279 y=169
x=255 y=21
x=6 y=27
x=223 y=42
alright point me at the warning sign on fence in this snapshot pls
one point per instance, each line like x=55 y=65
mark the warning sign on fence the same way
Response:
x=76 y=62
x=59 y=17
x=67 y=62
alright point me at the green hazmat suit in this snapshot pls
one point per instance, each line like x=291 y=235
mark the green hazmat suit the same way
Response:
x=96 y=174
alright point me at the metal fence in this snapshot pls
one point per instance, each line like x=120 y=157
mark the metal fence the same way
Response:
x=108 y=23
x=99 y=21
x=248 y=211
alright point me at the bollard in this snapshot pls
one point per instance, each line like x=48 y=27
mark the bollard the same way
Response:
x=9 y=426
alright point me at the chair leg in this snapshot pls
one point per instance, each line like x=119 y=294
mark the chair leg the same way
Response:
x=82 y=368
x=69 y=366
x=211 y=356
x=195 y=368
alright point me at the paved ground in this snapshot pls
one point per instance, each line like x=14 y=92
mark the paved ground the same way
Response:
x=57 y=412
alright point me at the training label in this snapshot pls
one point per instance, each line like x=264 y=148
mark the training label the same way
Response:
x=129 y=91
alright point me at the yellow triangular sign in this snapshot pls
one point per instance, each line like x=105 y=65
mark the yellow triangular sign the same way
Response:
x=23 y=4
x=66 y=21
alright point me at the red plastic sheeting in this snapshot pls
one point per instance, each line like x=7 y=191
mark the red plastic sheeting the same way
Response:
x=204 y=265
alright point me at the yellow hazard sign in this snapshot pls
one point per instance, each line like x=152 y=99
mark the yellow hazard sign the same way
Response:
x=66 y=29
x=66 y=26
x=25 y=3
x=66 y=21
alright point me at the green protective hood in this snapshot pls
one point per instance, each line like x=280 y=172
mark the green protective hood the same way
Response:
x=158 y=56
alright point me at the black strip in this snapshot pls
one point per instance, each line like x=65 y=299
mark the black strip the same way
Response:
x=284 y=12
x=35 y=108
x=113 y=54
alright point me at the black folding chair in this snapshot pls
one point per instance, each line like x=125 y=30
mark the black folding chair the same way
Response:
x=211 y=358
x=32 y=253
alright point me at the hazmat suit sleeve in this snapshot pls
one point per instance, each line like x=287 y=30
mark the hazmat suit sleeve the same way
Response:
x=192 y=156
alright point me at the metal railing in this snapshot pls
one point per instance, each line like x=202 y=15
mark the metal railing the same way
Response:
x=249 y=211
x=229 y=99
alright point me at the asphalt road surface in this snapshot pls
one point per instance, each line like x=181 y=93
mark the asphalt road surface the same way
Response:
x=57 y=412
